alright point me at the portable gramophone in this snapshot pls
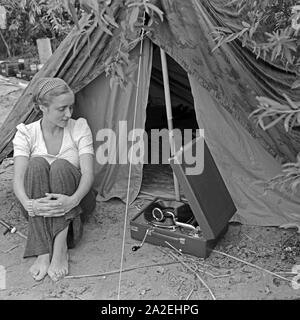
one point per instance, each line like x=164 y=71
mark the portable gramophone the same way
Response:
x=193 y=225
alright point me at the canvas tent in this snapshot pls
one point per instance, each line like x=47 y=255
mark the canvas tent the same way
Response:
x=224 y=85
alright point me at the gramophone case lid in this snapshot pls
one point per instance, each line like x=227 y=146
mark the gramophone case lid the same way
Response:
x=206 y=191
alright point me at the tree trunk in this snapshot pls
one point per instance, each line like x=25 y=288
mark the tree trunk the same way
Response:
x=6 y=45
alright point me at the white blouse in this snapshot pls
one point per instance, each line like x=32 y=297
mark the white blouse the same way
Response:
x=77 y=140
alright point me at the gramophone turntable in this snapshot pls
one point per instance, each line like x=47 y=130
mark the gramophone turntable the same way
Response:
x=169 y=215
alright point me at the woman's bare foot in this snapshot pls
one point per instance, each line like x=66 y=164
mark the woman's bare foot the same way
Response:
x=40 y=267
x=59 y=266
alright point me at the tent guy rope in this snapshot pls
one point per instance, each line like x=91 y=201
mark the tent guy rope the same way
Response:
x=130 y=162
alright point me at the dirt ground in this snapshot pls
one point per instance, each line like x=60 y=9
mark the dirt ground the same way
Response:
x=151 y=273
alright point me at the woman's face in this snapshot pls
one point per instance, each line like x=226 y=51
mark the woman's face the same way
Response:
x=60 y=110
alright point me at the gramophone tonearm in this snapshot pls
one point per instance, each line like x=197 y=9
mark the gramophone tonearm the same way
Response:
x=161 y=214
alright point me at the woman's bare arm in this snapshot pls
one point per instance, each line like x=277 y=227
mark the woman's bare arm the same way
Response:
x=87 y=177
x=20 y=165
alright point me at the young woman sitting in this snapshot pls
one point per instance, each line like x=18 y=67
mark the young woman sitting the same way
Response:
x=53 y=176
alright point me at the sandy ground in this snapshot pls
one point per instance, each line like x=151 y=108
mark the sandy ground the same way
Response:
x=151 y=272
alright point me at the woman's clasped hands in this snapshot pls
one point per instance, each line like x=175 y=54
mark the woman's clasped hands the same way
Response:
x=52 y=205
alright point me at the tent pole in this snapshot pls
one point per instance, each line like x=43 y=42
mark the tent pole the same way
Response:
x=169 y=115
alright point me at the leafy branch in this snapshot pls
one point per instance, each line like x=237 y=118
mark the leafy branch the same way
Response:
x=28 y=20
x=289 y=113
x=132 y=29
x=269 y=27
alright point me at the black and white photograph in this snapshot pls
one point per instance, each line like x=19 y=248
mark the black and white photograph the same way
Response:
x=149 y=151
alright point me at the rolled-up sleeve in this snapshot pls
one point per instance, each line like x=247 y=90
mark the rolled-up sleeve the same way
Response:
x=84 y=137
x=21 y=141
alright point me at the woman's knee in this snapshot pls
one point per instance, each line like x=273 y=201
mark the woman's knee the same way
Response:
x=37 y=167
x=38 y=163
x=63 y=172
x=36 y=179
x=60 y=165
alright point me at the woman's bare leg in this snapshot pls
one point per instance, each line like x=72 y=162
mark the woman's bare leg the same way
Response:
x=59 y=266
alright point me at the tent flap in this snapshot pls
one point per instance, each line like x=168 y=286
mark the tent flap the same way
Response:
x=243 y=162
